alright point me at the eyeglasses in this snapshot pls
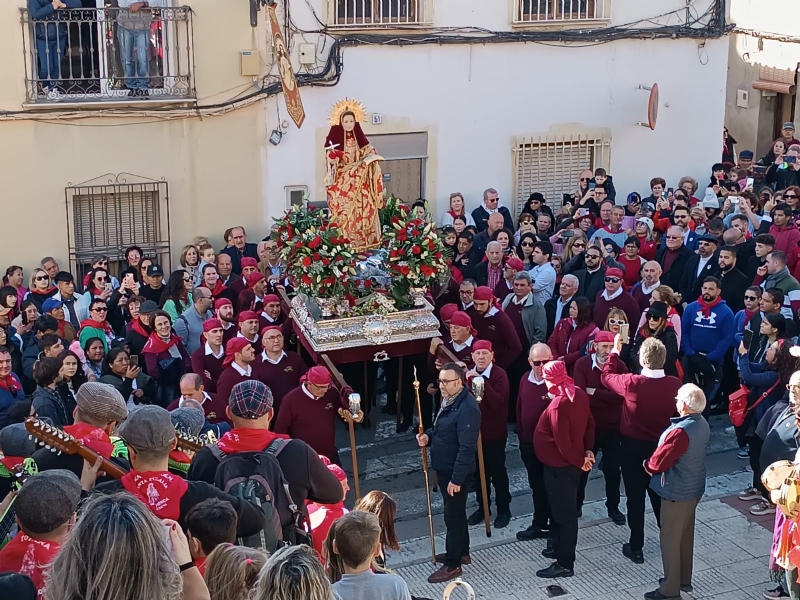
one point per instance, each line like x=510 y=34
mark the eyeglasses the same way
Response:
x=586 y=178
x=527 y=244
x=579 y=245
x=751 y=298
x=617 y=321
x=100 y=309
x=612 y=279
x=446 y=381
x=101 y=278
x=274 y=338
x=42 y=278
x=674 y=237
x=466 y=292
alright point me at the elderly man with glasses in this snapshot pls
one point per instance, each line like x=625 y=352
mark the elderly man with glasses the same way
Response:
x=454 y=444
x=699 y=266
x=673 y=257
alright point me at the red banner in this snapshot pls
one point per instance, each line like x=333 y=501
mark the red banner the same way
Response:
x=291 y=92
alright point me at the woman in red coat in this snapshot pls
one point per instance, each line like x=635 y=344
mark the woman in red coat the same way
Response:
x=572 y=333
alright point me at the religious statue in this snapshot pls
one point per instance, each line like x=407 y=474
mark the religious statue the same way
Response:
x=354 y=181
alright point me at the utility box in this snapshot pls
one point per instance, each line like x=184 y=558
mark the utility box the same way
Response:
x=307 y=54
x=250 y=65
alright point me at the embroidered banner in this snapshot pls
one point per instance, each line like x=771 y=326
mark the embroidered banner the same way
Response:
x=288 y=82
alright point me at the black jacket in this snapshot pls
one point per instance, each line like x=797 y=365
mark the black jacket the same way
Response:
x=691 y=282
x=481 y=273
x=307 y=476
x=481 y=217
x=597 y=284
x=125 y=386
x=670 y=340
x=780 y=179
x=672 y=278
x=250 y=521
x=734 y=284
x=550 y=313
x=250 y=250
x=454 y=439
x=49 y=404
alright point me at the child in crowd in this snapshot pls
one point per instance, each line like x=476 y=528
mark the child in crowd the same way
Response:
x=384 y=507
x=604 y=179
x=208 y=524
x=357 y=541
x=232 y=571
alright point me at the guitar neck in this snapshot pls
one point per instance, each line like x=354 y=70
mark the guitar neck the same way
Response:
x=108 y=467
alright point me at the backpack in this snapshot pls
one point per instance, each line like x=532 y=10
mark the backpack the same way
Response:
x=257 y=478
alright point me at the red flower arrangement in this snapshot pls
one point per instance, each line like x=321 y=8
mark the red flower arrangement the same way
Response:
x=416 y=257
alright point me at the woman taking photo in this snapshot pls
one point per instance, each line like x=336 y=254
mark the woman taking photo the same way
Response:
x=571 y=334
x=165 y=358
x=138 y=330
x=773 y=328
x=177 y=296
x=457 y=208
x=614 y=321
x=646 y=236
x=658 y=326
x=23 y=322
x=41 y=288
x=190 y=260
x=527 y=243
x=664 y=293
x=136 y=387
x=766 y=382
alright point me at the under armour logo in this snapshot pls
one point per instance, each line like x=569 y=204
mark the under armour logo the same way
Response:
x=712 y=318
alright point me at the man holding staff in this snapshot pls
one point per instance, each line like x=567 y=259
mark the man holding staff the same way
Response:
x=454 y=442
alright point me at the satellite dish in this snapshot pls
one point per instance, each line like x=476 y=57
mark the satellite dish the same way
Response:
x=652 y=106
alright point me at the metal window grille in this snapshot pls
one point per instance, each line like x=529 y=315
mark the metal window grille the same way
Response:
x=559 y=11
x=93 y=54
x=110 y=213
x=379 y=12
x=550 y=164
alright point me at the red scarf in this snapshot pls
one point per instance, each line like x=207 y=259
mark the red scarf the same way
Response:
x=155 y=345
x=92 y=437
x=706 y=308
x=29 y=557
x=96 y=324
x=180 y=457
x=50 y=290
x=161 y=491
x=139 y=328
x=218 y=288
x=11 y=462
x=749 y=315
x=247 y=440
x=10 y=383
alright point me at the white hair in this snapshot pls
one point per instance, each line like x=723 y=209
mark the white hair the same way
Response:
x=692 y=398
x=572 y=278
x=498 y=245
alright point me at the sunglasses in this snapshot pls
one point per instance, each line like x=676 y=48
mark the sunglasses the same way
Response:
x=616 y=322
x=674 y=237
x=187 y=278
x=579 y=245
x=101 y=278
x=751 y=298
x=527 y=245
x=539 y=363
x=612 y=279
x=42 y=278
x=653 y=318
x=586 y=178
x=100 y=309
x=593 y=256
x=790 y=195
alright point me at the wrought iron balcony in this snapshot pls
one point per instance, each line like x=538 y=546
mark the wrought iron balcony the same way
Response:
x=108 y=54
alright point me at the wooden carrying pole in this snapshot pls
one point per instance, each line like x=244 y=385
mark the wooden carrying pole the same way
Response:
x=481 y=469
x=425 y=468
x=342 y=386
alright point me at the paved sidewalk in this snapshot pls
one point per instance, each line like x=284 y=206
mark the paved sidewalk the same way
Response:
x=730 y=560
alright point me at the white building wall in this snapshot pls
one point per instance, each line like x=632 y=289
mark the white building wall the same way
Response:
x=474 y=100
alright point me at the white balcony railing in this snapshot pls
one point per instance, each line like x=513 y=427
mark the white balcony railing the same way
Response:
x=377 y=13
x=561 y=11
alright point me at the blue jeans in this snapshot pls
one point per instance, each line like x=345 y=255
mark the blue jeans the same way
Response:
x=138 y=78
x=50 y=53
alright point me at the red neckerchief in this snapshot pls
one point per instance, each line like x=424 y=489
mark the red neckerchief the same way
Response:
x=49 y=290
x=11 y=462
x=247 y=440
x=452 y=214
x=10 y=383
x=200 y=563
x=161 y=491
x=92 y=437
x=706 y=308
x=155 y=345
x=139 y=328
x=30 y=557
x=749 y=315
x=218 y=288
x=96 y=324
x=180 y=457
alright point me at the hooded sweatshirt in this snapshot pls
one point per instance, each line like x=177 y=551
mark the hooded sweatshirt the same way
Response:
x=710 y=330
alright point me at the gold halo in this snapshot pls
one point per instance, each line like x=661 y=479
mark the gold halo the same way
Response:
x=343 y=106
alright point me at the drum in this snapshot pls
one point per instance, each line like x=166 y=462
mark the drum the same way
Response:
x=776 y=474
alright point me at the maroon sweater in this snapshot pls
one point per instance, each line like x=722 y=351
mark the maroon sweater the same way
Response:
x=312 y=420
x=494 y=407
x=624 y=302
x=229 y=333
x=514 y=312
x=606 y=405
x=648 y=403
x=229 y=378
x=531 y=403
x=281 y=378
x=214 y=408
x=202 y=363
x=464 y=355
x=499 y=330
x=642 y=299
x=565 y=431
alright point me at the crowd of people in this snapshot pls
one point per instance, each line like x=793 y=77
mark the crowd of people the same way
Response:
x=597 y=327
